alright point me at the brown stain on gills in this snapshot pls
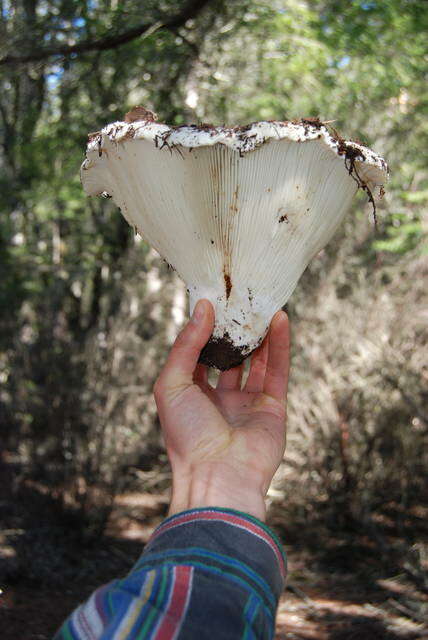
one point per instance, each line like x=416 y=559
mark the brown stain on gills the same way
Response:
x=228 y=284
x=234 y=204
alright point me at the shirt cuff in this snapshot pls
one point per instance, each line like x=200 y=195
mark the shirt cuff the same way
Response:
x=230 y=542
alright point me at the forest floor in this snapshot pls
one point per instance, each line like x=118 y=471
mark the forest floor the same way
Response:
x=338 y=589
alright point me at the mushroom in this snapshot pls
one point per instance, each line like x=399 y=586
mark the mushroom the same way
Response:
x=238 y=212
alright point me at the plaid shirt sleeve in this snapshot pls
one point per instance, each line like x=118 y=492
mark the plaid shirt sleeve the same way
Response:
x=205 y=573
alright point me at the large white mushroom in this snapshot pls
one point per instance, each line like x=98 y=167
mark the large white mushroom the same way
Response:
x=238 y=212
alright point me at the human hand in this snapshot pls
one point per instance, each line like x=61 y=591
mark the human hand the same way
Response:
x=224 y=443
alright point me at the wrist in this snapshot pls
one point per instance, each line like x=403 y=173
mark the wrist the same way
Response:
x=216 y=484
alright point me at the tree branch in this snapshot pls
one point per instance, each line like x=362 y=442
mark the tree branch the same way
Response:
x=190 y=10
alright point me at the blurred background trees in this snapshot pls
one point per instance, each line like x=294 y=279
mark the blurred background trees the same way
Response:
x=88 y=311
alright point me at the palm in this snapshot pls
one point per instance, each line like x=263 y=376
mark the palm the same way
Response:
x=255 y=423
x=246 y=409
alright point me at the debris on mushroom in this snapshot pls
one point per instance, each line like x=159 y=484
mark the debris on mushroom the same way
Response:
x=140 y=113
x=238 y=212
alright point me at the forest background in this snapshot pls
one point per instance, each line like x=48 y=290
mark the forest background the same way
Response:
x=88 y=310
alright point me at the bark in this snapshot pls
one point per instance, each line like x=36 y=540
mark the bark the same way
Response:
x=190 y=10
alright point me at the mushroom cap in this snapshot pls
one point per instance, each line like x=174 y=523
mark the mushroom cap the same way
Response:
x=370 y=166
x=238 y=212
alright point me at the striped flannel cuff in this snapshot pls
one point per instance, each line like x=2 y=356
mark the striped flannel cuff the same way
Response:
x=232 y=543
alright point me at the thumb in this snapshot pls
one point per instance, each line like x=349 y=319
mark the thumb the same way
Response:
x=183 y=357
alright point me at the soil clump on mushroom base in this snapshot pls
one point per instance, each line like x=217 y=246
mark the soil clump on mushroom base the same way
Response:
x=222 y=354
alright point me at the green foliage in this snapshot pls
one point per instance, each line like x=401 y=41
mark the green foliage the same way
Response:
x=402 y=234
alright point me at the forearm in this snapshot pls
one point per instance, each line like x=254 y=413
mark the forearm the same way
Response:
x=204 y=573
x=237 y=569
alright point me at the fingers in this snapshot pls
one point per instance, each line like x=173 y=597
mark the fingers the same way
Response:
x=201 y=375
x=256 y=375
x=183 y=357
x=277 y=366
x=231 y=379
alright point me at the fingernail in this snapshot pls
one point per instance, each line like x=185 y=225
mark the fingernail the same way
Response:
x=198 y=312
